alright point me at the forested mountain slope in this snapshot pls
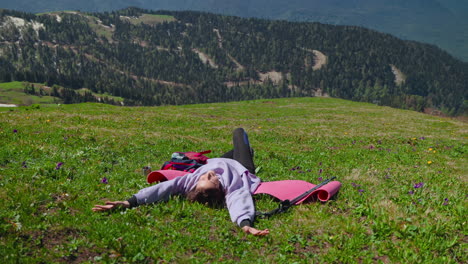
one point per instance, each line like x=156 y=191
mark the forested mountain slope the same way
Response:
x=440 y=22
x=153 y=58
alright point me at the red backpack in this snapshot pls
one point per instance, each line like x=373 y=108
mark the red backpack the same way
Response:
x=186 y=161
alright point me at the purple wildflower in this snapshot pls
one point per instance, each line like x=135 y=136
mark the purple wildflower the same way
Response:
x=320 y=179
x=15 y=131
x=446 y=201
x=23 y=165
x=418 y=185
x=422 y=138
x=296 y=168
x=58 y=165
x=104 y=180
x=355 y=185
x=361 y=191
x=411 y=192
x=320 y=171
x=379 y=142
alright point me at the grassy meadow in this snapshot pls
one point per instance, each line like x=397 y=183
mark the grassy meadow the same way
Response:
x=13 y=93
x=150 y=19
x=403 y=174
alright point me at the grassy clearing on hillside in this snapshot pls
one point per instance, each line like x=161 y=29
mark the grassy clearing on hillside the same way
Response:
x=150 y=19
x=13 y=93
x=11 y=86
x=82 y=91
x=100 y=29
x=403 y=198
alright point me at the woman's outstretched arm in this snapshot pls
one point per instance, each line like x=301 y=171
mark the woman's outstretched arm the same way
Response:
x=111 y=205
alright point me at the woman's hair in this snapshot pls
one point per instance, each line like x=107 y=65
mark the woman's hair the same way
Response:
x=212 y=197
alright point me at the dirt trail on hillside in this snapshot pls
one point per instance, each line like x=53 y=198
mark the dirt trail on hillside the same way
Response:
x=273 y=76
x=206 y=59
x=399 y=76
x=220 y=45
x=319 y=59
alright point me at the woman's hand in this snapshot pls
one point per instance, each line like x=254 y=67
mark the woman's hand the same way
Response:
x=111 y=205
x=254 y=231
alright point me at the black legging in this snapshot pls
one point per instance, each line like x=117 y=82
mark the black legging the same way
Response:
x=242 y=151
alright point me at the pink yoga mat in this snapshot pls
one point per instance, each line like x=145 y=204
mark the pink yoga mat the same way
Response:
x=290 y=189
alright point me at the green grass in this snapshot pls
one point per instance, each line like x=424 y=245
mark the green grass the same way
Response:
x=115 y=98
x=378 y=153
x=13 y=93
x=11 y=86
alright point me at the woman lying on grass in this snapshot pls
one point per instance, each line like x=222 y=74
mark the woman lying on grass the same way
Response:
x=228 y=180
